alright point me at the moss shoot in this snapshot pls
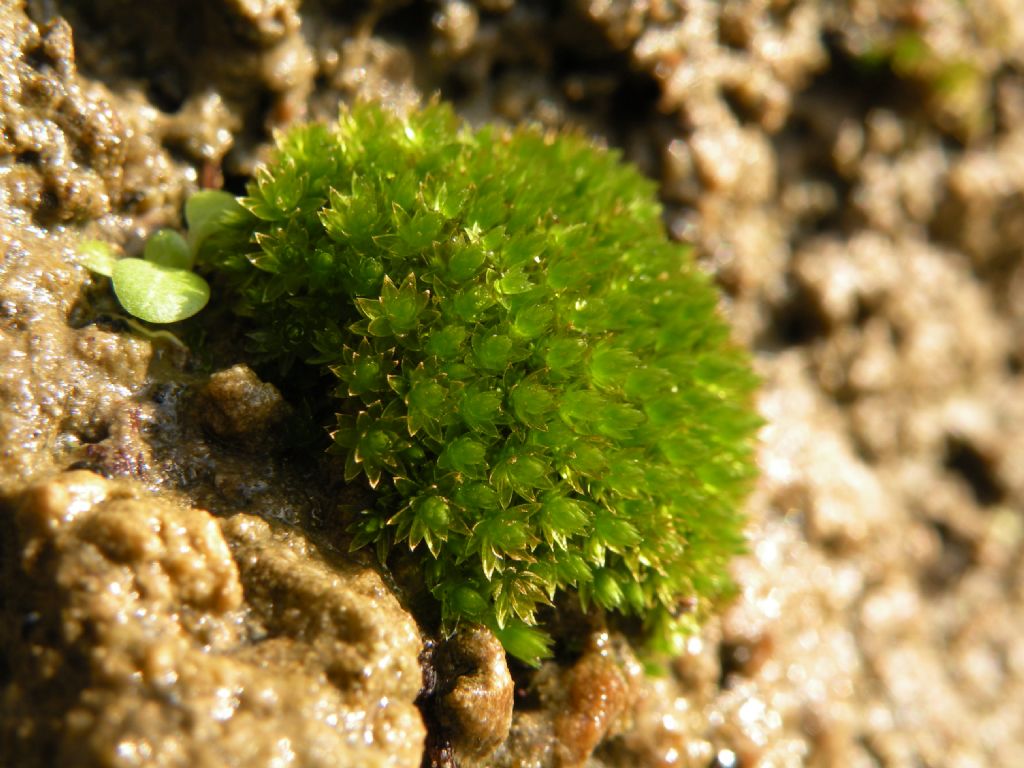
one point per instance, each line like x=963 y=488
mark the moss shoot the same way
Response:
x=532 y=376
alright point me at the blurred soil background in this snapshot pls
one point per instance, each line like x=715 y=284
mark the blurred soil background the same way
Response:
x=174 y=583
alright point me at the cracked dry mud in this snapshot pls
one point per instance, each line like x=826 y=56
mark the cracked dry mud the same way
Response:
x=176 y=584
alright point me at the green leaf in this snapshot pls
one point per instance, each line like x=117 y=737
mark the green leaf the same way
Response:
x=528 y=644
x=533 y=320
x=521 y=472
x=532 y=403
x=97 y=256
x=615 y=533
x=167 y=248
x=205 y=213
x=619 y=420
x=571 y=569
x=367 y=529
x=465 y=455
x=610 y=367
x=606 y=589
x=516 y=280
x=421 y=231
x=471 y=304
x=446 y=342
x=561 y=518
x=403 y=305
x=564 y=353
x=507 y=533
x=426 y=400
x=516 y=594
x=480 y=497
x=494 y=351
x=481 y=410
x=364 y=371
x=466 y=601
x=582 y=406
x=432 y=519
x=465 y=262
x=158 y=294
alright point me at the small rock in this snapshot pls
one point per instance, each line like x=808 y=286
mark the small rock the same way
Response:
x=600 y=692
x=476 y=691
x=236 y=405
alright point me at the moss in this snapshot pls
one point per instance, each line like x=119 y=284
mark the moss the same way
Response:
x=955 y=88
x=535 y=380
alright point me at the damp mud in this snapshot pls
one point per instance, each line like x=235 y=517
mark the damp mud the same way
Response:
x=177 y=587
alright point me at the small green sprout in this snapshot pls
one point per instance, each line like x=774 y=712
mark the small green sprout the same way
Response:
x=533 y=377
x=161 y=286
x=955 y=88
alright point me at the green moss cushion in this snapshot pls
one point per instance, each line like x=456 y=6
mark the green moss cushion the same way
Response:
x=532 y=375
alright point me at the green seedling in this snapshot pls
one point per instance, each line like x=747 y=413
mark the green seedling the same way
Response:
x=534 y=379
x=161 y=286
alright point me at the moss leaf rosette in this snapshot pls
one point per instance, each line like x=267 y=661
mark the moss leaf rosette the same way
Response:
x=533 y=377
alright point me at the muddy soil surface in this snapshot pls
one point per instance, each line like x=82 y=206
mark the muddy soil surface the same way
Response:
x=176 y=586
